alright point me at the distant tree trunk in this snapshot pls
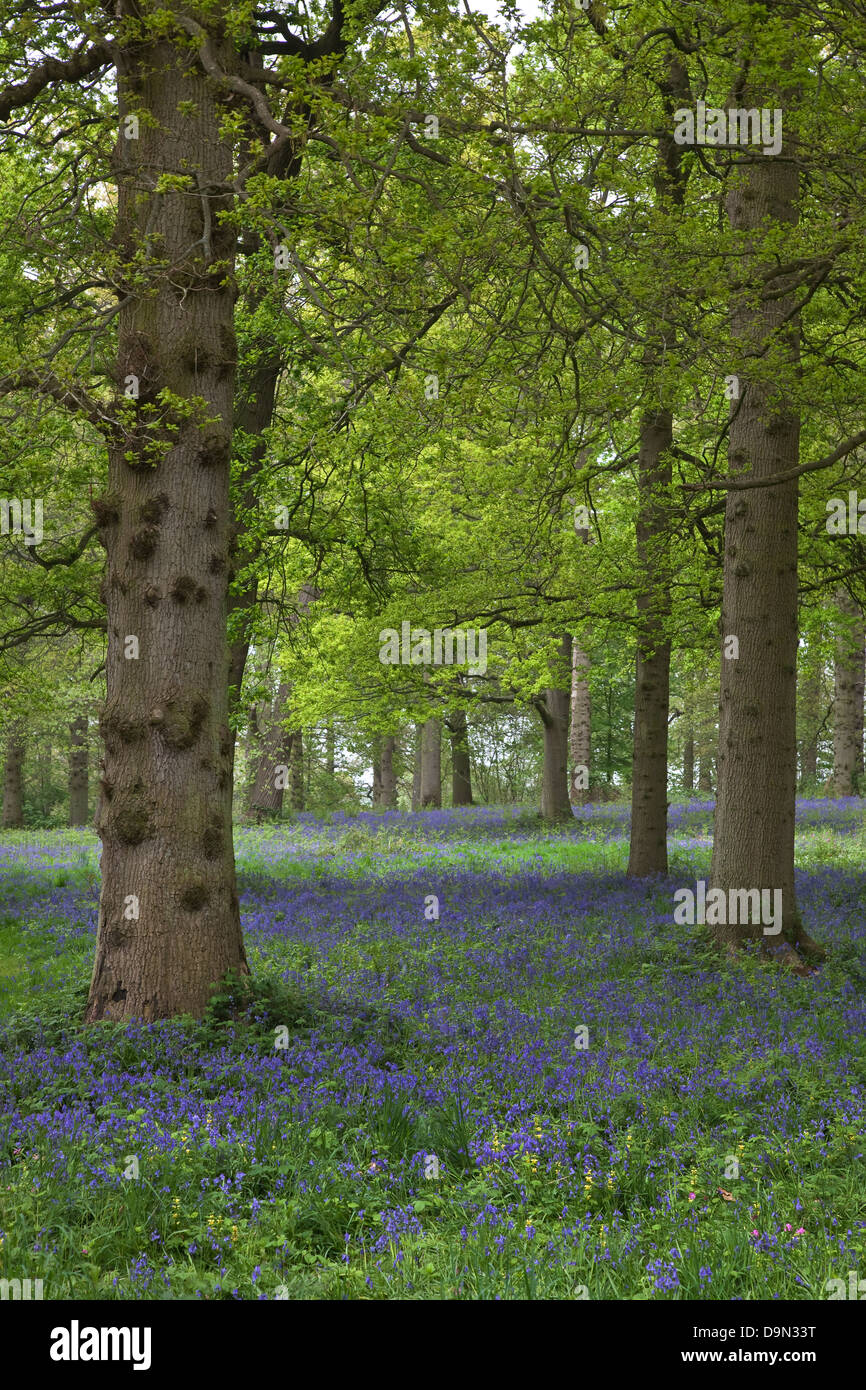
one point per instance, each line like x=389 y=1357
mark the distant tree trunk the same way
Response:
x=13 y=783
x=461 y=776
x=266 y=794
x=389 y=774
x=848 y=701
x=377 y=771
x=580 y=737
x=296 y=759
x=705 y=771
x=416 y=767
x=78 y=778
x=810 y=714
x=753 y=845
x=689 y=760
x=330 y=762
x=553 y=708
x=431 y=763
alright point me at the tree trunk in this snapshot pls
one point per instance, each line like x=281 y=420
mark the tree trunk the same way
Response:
x=275 y=744
x=553 y=707
x=13 y=783
x=461 y=773
x=431 y=763
x=689 y=760
x=648 y=847
x=753 y=845
x=78 y=780
x=580 y=737
x=705 y=771
x=169 y=922
x=389 y=774
x=848 y=699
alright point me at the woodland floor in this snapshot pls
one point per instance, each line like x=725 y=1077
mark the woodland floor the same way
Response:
x=299 y=1171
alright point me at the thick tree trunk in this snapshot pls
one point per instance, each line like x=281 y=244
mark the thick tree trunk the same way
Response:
x=553 y=708
x=580 y=737
x=13 y=783
x=169 y=923
x=757 y=762
x=461 y=772
x=848 y=698
x=275 y=744
x=78 y=779
x=689 y=760
x=431 y=763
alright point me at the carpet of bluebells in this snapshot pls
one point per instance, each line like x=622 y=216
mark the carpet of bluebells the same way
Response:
x=477 y=1062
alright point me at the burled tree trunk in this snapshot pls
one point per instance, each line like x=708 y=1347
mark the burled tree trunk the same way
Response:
x=553 y=708
x=13 y=783
x=78 y=778
x=848 y=696
x=431 y=763
x=580 y=736
x=461 y=772
x=272 y=767
x=169 y=924
x=753 y=845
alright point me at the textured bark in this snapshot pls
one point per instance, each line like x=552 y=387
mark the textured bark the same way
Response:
x=169 y=924
x=848 y=697
x=757 y=763
x=580 y=736
x=553 y=707
x=78 y=778
x=431 y=763
x=275 y=746
x=689 y=760
x=13 y=783
x=461 y=772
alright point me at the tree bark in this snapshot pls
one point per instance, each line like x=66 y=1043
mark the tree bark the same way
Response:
x=78 y=778
x=848 y=697
x=13 y=783
x=580 y=737
x=461 y=772
x=297 y=762
x=753 y=845
x=431 y=763
x=330 y=745
x=553 y=708
x=377 y=771
x=169 y=921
